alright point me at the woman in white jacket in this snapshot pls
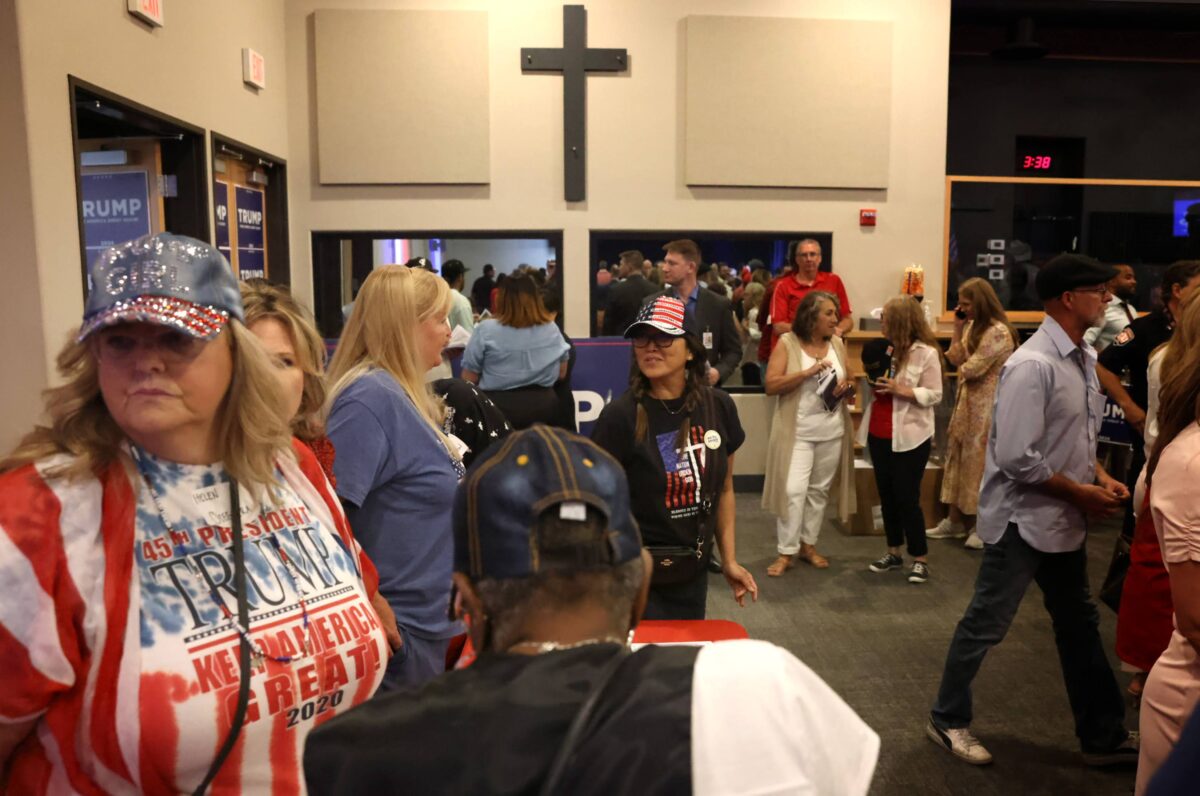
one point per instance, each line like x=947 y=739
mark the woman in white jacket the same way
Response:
x=898 y=427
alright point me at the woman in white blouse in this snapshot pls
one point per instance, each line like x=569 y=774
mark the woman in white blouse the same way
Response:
x=898 y=431
x=811 y=432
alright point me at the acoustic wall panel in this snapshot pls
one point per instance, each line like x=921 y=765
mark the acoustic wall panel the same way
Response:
x=402 y=96
x=787 y=102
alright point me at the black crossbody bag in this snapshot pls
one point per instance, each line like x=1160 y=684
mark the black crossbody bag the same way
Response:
x=684 y=562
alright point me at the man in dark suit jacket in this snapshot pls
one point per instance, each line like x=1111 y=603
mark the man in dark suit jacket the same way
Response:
x=626 y=296
x=713 y=313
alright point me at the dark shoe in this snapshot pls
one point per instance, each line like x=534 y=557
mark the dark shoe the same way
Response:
x=919 y=572
x=1126 y=753
x=960 y=743
x=886 y=562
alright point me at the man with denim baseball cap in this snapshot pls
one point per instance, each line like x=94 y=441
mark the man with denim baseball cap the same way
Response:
x=553 y=577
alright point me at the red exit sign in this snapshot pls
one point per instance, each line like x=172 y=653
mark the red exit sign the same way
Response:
x=148 y=11
x=254 y=68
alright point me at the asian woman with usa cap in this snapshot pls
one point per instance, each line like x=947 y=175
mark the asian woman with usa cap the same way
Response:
x=676 y=437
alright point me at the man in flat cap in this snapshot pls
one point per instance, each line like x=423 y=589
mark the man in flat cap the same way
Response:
x=553 y=577
x=1041 y=486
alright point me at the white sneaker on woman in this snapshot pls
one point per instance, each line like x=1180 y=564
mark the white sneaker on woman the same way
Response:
x=946 y=530
x=973 y=542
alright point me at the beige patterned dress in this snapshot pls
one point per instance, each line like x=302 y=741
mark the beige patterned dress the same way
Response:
x=967 y=435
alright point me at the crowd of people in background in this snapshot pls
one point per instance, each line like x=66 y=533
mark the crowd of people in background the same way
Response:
x=209 y=498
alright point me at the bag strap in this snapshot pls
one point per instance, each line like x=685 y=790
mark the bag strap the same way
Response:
x=243 y=606
x=579 y=724
x=710 y=489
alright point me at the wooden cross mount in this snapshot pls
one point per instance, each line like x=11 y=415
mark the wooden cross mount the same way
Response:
x=574 y=60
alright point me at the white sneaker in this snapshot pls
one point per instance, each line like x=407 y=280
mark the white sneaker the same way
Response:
x=960 y=743
x=973 y=542
x=946 y=530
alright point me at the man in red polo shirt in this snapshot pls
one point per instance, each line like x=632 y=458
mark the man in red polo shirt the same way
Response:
x=806 y=255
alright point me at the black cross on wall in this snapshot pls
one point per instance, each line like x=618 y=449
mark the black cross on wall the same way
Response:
x=574 y=60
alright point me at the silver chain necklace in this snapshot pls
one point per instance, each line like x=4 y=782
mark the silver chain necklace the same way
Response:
x=667 y=409
x=540 y=647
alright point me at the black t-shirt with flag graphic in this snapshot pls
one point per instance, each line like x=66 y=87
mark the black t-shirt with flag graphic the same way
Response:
x=665 y=481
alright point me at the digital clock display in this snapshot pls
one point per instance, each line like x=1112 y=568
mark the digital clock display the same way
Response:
x=1036 y=162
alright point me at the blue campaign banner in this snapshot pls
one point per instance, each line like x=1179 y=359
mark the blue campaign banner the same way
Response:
x=1113 y=428
x=221 y=203
x=251 y=233
x=116 y=208
x=601 y=374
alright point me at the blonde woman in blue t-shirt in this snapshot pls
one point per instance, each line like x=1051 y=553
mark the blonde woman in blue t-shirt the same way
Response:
x=396 y=469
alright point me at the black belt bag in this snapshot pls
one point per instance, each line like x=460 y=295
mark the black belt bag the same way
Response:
x=677 y=563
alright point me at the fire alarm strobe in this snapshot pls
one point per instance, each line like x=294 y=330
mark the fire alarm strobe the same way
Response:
x=866 y=218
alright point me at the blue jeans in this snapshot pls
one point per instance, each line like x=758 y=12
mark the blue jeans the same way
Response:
x=1006 y=571
x=416 y=663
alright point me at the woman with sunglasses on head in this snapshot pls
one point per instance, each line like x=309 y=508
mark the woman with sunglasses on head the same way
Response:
x=676 y=438
x=175 y=568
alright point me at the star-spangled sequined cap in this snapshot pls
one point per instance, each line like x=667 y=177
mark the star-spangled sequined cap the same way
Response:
x=665 y=313
x=170 y=280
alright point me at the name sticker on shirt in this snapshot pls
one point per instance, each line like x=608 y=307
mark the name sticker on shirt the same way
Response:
x=213 y=503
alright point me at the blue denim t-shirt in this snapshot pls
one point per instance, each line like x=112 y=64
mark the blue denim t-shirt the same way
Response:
x=391 y=464
x=506 y=358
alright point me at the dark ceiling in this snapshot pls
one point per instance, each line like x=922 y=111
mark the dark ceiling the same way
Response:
x=1118 y=30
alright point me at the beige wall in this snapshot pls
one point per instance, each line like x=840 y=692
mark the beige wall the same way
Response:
x=23 y=370
x=635 y=135
x=189 y=69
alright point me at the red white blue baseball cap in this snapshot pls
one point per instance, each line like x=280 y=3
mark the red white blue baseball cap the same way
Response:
x=166 y=279
x=666 y=314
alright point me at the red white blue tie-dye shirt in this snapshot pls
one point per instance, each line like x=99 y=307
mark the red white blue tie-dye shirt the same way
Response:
x=111 y=638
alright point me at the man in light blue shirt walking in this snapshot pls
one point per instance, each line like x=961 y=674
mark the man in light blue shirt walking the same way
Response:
x=1041 y=485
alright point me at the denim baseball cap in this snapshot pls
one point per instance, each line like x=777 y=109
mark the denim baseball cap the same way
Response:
x=511 y=484
x=167 y=279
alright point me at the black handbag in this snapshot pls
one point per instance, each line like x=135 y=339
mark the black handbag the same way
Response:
x=1114 y=580
x=681 y=563
x=676 y=563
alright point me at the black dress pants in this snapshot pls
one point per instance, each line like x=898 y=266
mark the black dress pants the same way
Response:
x=898 y=479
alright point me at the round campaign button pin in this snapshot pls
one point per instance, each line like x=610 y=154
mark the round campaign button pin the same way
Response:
x=712 y=439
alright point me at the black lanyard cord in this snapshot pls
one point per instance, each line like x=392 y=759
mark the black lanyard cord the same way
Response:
x=243 y=619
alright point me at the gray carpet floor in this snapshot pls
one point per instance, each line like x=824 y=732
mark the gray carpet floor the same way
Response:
x=880 y=642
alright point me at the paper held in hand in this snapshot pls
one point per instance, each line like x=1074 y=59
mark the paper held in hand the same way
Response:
x=827 y=384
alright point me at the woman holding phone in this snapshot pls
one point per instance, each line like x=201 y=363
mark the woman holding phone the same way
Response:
x=983 y=339
x=898 y=432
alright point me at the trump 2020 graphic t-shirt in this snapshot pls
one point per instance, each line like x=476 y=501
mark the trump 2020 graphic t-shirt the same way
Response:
x=318 y=645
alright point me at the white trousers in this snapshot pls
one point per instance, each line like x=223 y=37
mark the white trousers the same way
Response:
x=814 y=464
